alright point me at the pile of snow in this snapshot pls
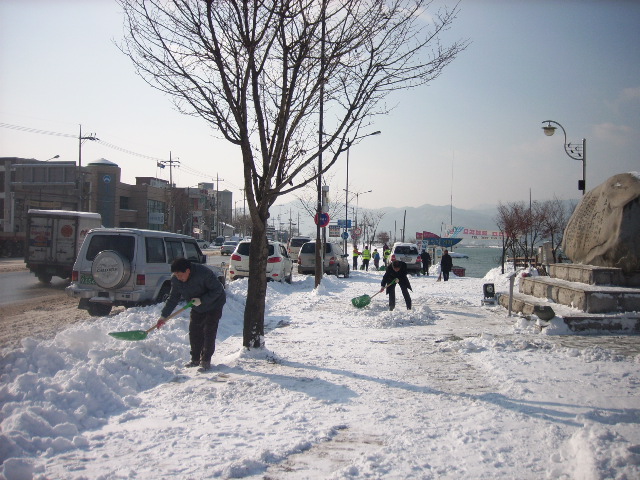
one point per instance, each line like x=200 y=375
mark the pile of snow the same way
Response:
x=448 y=389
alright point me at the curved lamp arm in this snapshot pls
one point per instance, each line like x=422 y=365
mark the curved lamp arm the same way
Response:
x=568 y=148
x=575 y=152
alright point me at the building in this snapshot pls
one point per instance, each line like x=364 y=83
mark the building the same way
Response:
x=151 y=203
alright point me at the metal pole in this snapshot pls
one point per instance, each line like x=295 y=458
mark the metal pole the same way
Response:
x=584 y=165
x=346 y=198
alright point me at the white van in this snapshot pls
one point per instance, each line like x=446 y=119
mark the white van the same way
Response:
x=129 y=267
x=294 y=245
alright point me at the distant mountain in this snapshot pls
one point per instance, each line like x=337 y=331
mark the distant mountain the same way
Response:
x=433 y=219
x=426 y=217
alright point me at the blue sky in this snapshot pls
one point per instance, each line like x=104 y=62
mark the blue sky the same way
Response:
x=472 y=136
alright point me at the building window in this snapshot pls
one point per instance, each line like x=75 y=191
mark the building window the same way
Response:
x=124 y=203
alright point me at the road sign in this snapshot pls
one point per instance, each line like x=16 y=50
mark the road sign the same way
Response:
x=341 y=224
x=356 y=232
x=345 y=235
x=323 y=221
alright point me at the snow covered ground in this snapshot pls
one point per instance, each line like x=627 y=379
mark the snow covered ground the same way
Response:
x=450 y=389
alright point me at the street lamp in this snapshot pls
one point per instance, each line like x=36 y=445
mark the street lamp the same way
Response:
x=574 y=151
x=346 y=195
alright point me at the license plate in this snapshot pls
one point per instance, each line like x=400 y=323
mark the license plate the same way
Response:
x=406 y=259
x=87 y=279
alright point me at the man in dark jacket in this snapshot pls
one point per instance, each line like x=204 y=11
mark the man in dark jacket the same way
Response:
x=193 y=281
x=426 y=261
x=446 y=264
x=396 y=273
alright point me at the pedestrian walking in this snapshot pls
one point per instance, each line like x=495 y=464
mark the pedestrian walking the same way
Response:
x=193 y=281
x=446 y=264
x=355 y=253
x=366 y=256
x=426 y=262
x=376 y=258
x=397 y=270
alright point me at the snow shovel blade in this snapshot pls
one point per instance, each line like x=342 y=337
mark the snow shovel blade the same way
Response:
x=361 y=301
x=133 y=335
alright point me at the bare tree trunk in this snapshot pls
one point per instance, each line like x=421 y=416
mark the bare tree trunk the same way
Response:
x=253 y=333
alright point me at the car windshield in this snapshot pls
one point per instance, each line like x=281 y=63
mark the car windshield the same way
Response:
x=310 y=247
x=298 y=242
x=244 y=247
x=406 y=250
x=123 y=244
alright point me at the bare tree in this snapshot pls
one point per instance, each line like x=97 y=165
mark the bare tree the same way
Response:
x=255 y=70
x=554 y=221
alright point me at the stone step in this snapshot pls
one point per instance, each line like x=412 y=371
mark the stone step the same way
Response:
x=593 y=275
x=623 y=323
x=587 y=298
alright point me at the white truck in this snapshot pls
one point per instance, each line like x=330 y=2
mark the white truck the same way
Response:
x=54 y=238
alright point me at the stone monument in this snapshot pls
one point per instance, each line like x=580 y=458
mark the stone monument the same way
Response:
x=604 y=230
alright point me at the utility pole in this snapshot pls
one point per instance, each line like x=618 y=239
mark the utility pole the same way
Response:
x=218 y=180
x=91 y=136
x=161 y=164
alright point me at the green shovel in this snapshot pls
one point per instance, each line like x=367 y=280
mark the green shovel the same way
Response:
x=364 y=300
x=135 y=335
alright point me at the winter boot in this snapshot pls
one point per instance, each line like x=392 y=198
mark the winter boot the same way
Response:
x=192 y=364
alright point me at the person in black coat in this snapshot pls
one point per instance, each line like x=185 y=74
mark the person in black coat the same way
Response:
x=193 y=281
x=426 y=262
x=396 y=270
x=446 y=264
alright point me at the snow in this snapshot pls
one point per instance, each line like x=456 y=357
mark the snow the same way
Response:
x=450 y=389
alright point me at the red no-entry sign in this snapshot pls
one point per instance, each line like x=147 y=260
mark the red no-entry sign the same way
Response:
x=323 y=221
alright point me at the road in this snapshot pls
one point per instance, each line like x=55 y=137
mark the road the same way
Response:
x=29 y=308
x=21 y=286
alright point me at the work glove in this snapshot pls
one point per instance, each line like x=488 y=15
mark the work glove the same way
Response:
x=196 y=302
x=161 y=322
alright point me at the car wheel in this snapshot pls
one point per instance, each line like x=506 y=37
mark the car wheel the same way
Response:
x=99 y=309
x=164 y=293
x=346 y=274
x=45 y=277
x=289 y=277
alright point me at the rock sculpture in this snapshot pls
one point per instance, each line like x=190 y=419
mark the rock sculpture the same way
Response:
x=604 y=230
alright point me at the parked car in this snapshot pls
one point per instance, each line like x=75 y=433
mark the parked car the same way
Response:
x=129 y=267
x=294 y=245
x=228 y=247
x=279 y=265
x=409 y=254
x=218 y=241
x=202 y=244
x=336 y=262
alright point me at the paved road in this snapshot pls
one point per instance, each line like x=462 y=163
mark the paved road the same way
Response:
x=23 y=285
x=18 y=284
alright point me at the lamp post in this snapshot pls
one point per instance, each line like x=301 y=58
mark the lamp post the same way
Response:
x=346 y=195
x=574 y=151
x=91 y=136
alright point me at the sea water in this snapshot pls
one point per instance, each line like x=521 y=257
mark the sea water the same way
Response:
x=480 y=261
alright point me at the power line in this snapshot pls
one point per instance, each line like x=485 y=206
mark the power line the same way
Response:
x=186 y=169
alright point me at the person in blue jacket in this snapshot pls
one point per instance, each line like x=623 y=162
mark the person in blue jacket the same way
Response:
x=193 y=281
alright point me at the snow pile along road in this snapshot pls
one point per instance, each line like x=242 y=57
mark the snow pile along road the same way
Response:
x=449 y=389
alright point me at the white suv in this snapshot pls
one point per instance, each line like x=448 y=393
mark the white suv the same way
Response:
x=128 y=266
x=279 y=265
x=409 y=254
